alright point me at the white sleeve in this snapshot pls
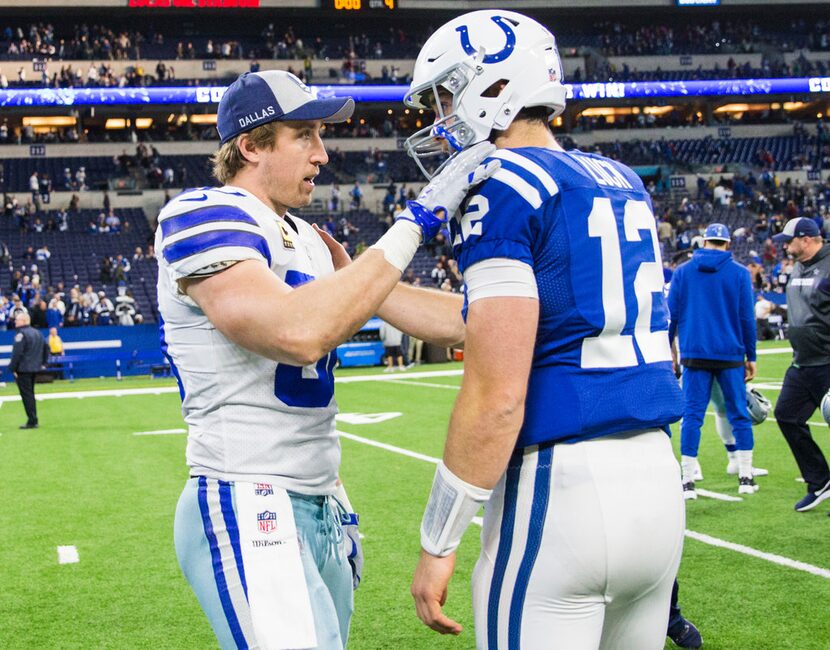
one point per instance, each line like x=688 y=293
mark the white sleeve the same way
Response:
x=500 y=277
x=210 y=235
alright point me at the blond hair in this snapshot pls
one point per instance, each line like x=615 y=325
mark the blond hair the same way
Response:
x=228 y=161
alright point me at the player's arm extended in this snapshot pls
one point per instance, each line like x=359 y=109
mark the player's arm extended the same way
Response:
x=427 y=314
x=485 y=422
x=258 y=311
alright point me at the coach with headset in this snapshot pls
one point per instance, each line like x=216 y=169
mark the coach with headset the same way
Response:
x=808 y=378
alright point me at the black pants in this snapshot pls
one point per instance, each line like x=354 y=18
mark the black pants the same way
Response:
x=801 y=395
x=26 y=386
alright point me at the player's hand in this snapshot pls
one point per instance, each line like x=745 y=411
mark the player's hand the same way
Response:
x=339 y=256
x=675 y=365
x=749 y=371
x=439 y=200
x=429 y=589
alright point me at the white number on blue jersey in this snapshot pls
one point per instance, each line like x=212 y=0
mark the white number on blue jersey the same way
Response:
x=612 y=349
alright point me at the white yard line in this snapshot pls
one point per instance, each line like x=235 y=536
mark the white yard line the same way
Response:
x=752 y=552
x=404 y=382
x=717 y=495
x=700 y=537
x=122 y=392
x=774 y=351
x=160 y=432
x=393 y=377
x=68 y=555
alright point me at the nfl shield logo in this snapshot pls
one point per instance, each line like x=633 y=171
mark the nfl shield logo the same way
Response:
x=267 y=521
x=263 y=489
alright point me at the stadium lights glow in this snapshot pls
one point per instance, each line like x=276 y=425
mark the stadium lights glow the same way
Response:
x=209 y=118
x=114 y=123
x=50 y=120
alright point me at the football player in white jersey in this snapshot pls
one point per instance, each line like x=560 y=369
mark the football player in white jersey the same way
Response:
x=252 y=305
x=561 y=424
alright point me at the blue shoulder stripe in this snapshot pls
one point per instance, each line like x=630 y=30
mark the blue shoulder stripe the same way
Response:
x=179 y=222
x=215 y=239
x=524 y=177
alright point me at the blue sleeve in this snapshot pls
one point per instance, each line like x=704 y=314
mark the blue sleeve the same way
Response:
x=497 y=223
x=748 y=315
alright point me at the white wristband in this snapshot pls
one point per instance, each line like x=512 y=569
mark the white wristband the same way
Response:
x=451 y=507
x=399 y=243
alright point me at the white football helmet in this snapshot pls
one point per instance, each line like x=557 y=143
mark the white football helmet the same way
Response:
x=825 y=407
x=758 y=405
x=469 y=57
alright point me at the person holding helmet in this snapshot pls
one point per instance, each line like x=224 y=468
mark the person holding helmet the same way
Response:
x=808 y=378
x=712 y=313
x=560 y=427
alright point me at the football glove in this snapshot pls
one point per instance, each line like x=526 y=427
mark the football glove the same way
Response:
x=439 y=200
x=354 y=550
x=351 y=536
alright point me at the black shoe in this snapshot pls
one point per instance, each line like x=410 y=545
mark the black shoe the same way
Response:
x=685 y=634
x=28 y=426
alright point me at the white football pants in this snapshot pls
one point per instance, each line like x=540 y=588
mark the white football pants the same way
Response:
x=580 y=547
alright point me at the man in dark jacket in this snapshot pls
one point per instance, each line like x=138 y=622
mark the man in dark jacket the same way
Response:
x=713 y=312
x=29 y=355
x=808 y=378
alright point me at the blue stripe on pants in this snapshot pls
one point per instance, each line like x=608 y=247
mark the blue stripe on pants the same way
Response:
x=538 y=511
x=219 y=574
x=511 y=490
x=226 y=501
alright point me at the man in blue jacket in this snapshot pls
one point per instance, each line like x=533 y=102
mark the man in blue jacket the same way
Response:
x=712 y=312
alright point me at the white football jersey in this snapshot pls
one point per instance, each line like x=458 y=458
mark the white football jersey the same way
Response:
x=249 y=418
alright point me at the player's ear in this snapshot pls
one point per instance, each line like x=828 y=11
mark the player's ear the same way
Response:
x=247 y=149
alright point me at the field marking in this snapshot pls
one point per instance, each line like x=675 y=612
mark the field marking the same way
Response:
x=700 y=537
x=122 y=392
x=68 y=555
x=160 y=432
x=392 y=448
x=394 y=378
x=772 y=419
x=404 y=382
x=774 y=351
x=717 y=495
x=769 y=557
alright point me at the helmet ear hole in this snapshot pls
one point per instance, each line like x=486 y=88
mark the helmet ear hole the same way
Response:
x=495 y=88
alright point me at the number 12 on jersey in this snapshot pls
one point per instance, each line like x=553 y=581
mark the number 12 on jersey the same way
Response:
x=612 y=348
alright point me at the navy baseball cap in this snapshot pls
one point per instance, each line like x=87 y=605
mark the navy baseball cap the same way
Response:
x=798 y=227
x=257 y=98
x=716 y=232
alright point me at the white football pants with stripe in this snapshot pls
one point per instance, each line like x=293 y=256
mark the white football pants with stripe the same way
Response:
x=208 y=548
x=580 y=547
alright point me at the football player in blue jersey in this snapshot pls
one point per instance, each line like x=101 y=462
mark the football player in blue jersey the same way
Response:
x=253 y=302
x=561 y=425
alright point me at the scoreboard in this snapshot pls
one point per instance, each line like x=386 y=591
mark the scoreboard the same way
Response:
x=361 y=5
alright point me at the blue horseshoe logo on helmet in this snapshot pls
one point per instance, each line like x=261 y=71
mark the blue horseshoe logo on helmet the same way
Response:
x=498 y=56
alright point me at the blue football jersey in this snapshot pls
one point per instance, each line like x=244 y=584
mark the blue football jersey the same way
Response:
x=584 y=224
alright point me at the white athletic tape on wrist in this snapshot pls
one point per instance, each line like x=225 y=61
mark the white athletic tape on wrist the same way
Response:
x=399 y=243
x=451 y=507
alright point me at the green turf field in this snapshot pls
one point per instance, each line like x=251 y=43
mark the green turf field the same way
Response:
x=84 y=479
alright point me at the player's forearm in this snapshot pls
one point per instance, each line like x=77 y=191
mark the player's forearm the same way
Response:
x=427 y=314
x=483 y=431
x=326 y=312
x=257 y=311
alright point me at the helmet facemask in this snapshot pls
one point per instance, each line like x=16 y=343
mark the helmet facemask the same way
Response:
x=448 y=134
